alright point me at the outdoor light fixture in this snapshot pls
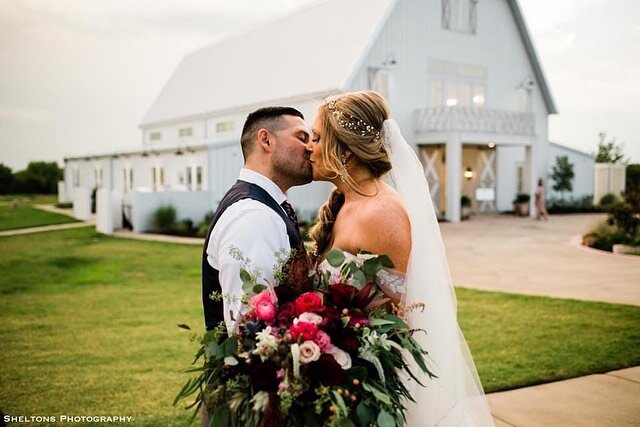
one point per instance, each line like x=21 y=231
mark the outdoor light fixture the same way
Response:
x=468 y=174
x=145 y=154
x=492 y=144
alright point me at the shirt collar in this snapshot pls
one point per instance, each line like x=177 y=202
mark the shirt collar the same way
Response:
x=265 y=183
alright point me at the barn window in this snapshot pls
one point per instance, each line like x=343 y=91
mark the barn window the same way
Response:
x=460 y=15
x=155 y=136
x=226 y=126
x=185 y=132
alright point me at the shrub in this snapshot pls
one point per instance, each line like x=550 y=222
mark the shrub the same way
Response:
x=184 y=228
x=608 y=199
x=164 y=219
x=522 y=198
x=623 y=216
x=65 y=205
x=582 y=204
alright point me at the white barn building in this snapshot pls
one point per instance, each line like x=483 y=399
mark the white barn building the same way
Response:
x=461 y=76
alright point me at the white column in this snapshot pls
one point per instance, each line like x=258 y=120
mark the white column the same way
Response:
x=454 y=177
x=530 y=173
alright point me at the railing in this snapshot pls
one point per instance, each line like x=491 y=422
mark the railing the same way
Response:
x=474 y=119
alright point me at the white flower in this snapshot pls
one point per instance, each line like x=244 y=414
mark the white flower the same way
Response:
x=295 y=355
x=341 y=356
x=309 y=352
x=260 y=401
x=310 y=318
x=267 y=344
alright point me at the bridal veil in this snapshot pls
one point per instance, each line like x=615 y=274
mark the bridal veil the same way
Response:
x=456 y=397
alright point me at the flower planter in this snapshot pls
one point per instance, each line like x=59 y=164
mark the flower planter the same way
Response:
x=521 y=209
x=626 y=249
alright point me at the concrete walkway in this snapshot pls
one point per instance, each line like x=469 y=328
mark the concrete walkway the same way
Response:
x=602 y=400
x=524 y=256
x=165 y=238
x=43 y=228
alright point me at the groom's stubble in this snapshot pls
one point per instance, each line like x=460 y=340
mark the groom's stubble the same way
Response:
x=290 y=159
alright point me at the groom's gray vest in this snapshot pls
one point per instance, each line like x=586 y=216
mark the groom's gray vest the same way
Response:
x=213 y=310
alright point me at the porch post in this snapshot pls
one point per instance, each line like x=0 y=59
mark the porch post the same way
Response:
x=530 y=162
x=454 y=177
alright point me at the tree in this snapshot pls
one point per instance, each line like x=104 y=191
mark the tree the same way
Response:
x=7 y=181
x=562 y=175
x=609 y=151
x=39 y=177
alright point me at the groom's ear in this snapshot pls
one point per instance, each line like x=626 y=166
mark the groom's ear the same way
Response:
x=264 y=140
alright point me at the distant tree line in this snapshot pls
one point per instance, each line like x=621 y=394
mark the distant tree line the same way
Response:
x=37 y=178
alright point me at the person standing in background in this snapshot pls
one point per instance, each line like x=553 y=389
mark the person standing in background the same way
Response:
x=541 y=208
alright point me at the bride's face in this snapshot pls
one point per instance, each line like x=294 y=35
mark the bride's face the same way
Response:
x=320 y=171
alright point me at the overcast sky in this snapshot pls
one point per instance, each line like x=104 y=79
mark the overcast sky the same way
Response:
x=77 y=76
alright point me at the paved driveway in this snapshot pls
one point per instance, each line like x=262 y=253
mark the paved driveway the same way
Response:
x=519 y=255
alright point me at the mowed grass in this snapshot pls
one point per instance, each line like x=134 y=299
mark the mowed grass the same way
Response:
x=519 y=340
x=89 y=328
x=25 y=215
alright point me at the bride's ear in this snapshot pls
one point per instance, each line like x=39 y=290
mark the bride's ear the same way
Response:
x=346 y=157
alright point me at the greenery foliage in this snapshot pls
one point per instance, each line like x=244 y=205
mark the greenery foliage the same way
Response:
x=164 y=219
x=608 y=199
x=568 y=205
x=38 y=177
x=522 y=198
x=609 y=151
x=562 y=175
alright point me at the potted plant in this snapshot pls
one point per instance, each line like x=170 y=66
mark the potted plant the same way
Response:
x=465 y=204
x=521 y=204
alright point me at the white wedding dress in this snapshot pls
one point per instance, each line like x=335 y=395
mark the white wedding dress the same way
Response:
x=455 y=398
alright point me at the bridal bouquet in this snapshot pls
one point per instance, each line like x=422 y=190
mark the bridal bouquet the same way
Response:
x=317 y=350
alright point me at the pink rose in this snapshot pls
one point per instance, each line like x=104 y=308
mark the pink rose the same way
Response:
x=305 y=330
x=263 y=296
x=266 y=311
x=323 y=340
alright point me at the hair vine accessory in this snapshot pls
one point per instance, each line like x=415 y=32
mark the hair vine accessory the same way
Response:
x=351 y=123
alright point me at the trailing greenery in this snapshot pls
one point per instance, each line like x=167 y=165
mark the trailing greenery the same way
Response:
x=89 y=327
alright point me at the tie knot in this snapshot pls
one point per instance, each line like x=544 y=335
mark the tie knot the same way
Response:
x=291 y=213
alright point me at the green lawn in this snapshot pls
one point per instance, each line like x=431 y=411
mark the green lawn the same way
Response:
x=89 y=328
x=25 y=215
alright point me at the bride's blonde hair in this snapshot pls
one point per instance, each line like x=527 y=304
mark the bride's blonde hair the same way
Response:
x=350 y=121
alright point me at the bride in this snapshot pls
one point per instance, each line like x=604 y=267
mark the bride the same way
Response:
x=355 y=144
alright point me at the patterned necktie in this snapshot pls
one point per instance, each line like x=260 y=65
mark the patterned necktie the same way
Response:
x=290 y=212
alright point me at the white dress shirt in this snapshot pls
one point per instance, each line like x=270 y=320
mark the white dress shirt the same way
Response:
x=258 y=232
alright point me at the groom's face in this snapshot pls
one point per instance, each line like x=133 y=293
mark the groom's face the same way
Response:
x=291 y=155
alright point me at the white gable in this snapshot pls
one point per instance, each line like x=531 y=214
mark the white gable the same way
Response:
x=312 y=51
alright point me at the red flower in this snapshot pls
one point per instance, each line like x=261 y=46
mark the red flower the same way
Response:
x=329 y=317
x=327 y=371
x=345 y=339
x=341 y=294
x=305 y=330
x=264 y=374
x=308 y=301
x=287 y=313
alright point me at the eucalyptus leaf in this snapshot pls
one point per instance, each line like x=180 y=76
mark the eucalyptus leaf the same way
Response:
x=385 y=419
x=365 y=414
x=245 y=276
x=386 y=261
x=358 y=280
x=258 y=288
x=335 y=257
x=380 y=322
x=230 y=346
x=230 y=361
x=340 y=401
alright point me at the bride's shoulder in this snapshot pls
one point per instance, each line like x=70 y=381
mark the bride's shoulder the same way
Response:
x=385 y=208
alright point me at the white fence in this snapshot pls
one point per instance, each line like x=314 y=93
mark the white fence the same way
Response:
x=192 y=205
x=82 y=203
x=609 y=178
x=108 y=211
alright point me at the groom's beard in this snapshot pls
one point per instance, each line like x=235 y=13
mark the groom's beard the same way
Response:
x=298 y=171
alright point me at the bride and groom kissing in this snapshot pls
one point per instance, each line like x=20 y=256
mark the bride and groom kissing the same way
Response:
x=354 y=144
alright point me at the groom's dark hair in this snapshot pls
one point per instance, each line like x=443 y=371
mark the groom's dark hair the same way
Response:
x=268 y=118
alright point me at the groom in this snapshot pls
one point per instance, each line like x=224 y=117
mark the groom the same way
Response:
x=254 y=215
